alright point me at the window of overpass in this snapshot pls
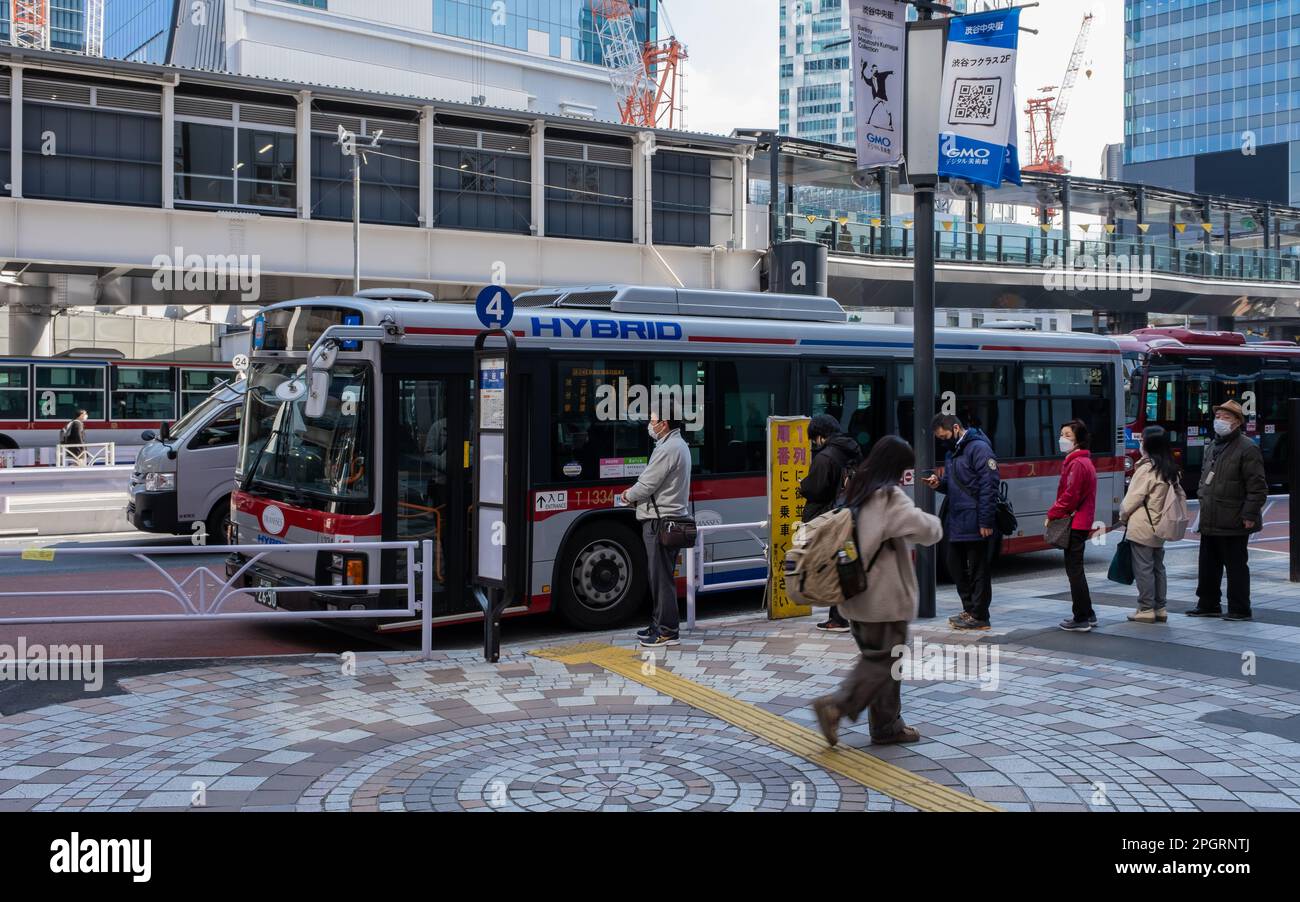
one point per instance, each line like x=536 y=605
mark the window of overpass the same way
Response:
x=235 y=154
x=482 y=180
x=588 y=191
x=390 y=178
x=83 y=142
x=682 y=187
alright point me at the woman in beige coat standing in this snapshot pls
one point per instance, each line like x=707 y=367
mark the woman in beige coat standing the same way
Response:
x=889 y=523
x=1155 y=476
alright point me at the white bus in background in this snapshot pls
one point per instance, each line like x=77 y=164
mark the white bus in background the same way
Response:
x=390 y=459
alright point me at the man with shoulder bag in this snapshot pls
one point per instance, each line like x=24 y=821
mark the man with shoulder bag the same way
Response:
x=662 y=498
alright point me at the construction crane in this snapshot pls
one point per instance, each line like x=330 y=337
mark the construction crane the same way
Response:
x=646 y=75
x=94 y=27
x=31 y=24
x=1047 y=112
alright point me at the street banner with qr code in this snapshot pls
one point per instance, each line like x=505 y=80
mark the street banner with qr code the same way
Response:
x=878 y=31
x=977 y=116
x=788 y=459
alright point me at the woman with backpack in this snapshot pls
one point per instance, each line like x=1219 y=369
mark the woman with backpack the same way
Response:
x=1145 y=504
x=887 y=526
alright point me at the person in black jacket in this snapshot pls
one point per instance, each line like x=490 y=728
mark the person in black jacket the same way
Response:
x=834 y=454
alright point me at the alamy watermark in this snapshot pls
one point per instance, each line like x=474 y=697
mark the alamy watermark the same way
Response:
x=630 y=402
x=180 y=271
x=35 y=663
x=975 y=663
x=1103 y=272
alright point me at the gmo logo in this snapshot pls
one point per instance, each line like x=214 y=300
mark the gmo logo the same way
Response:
x=979 y=153
x=882 y=140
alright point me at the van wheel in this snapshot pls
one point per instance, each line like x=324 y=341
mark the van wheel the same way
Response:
x=217 y=522
x=601 y=578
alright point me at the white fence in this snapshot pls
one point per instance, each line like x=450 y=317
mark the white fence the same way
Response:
x=19 y=481
x=102 y=454
x=202 y=594
x=696 y=565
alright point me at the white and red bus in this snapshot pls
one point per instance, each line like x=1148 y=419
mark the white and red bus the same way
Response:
x=390 y=459
x=39 y=395
x=1176 y=376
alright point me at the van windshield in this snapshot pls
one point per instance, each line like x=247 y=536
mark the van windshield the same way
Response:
x=196 y=415
x=287 y=452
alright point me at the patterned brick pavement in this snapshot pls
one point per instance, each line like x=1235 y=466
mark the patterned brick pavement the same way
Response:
x=1129 y=717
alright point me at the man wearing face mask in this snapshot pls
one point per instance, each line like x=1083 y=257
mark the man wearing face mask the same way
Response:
x=663 y=490
x=834 y=456
x=970 y=484
x=1232 y=492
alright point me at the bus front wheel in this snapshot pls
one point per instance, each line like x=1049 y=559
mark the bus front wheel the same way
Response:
x=601 y=580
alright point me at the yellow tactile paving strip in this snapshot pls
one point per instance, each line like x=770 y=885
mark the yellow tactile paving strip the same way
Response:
x=893 y=781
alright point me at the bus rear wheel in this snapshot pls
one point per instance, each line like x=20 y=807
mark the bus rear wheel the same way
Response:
x=601 y=580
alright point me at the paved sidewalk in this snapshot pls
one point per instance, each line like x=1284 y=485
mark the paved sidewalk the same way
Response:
x=1129 y=717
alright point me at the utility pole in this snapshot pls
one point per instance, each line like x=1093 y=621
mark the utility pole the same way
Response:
x=348 y=141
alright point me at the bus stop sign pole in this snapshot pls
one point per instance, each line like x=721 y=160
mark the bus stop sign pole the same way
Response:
x=494 y=576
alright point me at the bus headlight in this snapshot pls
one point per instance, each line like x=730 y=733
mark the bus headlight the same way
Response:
x=160 y=482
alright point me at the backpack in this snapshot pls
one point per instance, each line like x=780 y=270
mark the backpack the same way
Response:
x=813 y=575
x=1174 y=515
x=65 y=434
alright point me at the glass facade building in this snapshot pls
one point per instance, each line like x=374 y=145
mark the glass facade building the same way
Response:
x=137 y=29
x=816 y=85
x=1206 y=77
x=562 y=29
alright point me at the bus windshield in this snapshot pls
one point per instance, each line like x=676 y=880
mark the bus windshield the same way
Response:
x=285 y=451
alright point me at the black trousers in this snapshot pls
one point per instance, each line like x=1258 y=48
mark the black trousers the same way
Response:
x=660 y=563
x=871 y=684
x=1079 y=593
x=968 y=565
x=1217 y=554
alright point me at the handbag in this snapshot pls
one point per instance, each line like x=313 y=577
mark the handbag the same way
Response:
x=1004 y=516
x=674 y=532
x=1057 y=533
x=1121 y=565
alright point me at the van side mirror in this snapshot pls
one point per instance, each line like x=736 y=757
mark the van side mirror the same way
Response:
x=148 y=435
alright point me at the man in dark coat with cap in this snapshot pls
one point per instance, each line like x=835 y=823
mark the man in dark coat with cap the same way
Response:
x=1232 y=493
x=834 y=454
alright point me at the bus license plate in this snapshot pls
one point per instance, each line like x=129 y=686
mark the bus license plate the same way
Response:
x=266 y=595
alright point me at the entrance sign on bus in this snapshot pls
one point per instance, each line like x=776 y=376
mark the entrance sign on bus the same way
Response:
x=787 y=463
x=495 y=307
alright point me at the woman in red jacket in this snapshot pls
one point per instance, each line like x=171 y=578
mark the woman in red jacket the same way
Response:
x=1076 y=498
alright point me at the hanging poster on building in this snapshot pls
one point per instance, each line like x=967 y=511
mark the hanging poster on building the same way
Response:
x=977 y=114
x=788 y=456
x=877 y=30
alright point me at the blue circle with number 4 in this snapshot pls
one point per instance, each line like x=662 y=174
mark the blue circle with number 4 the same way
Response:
x=495 y=307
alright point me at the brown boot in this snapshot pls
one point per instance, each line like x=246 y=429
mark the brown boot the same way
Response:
x=828 y=718
x=907 y=734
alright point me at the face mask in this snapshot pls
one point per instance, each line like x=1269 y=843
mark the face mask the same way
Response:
x=1066 y=445
x=1223 y=427
x=650 y=428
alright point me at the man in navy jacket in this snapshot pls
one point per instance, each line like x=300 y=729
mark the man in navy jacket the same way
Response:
x=970 y=485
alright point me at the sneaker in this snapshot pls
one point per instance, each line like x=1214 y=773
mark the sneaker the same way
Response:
x=970 y=623
x=963 y=617
x=1231 y=616
x=1162 y=615
x=1075 y=626
x=828 y=718
x=1092 y=621
x=663 y=640
x=833 y=626
x=1148 y=616
x=907 y=734
x=648 y=633
x=1197 y=612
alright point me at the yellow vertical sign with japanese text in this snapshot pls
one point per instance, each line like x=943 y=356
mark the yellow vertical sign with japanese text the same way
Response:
x=787 y=464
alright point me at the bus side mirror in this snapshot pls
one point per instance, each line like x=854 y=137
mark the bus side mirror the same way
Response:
x=318 y=388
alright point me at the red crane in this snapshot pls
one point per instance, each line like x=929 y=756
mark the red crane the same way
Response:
x=1047 y=113
x=646 y=76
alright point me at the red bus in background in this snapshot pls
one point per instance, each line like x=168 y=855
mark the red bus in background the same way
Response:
x=1174 y=377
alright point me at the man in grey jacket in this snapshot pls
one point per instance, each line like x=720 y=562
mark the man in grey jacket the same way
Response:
x=663 y=490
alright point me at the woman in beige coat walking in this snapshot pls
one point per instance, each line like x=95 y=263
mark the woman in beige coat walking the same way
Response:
x=888 y=524
x=1155 y=476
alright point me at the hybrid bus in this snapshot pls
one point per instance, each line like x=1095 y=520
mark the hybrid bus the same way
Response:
x=391 y=456
x=1175 y=377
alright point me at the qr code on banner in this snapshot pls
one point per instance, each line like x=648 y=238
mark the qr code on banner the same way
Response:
x=975 y=101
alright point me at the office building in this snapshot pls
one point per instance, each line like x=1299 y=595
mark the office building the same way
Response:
x=1210 y=104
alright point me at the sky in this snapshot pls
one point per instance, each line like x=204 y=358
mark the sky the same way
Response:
x=732 y=73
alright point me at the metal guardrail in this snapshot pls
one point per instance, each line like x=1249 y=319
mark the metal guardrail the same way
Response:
x=696 y=565
x=201 y=594
x=88 y=455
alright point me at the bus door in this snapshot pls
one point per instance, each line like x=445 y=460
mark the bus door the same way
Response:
x=426 y=435
x=851 y=392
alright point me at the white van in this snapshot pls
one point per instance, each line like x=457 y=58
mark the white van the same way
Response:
x=185 y=473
